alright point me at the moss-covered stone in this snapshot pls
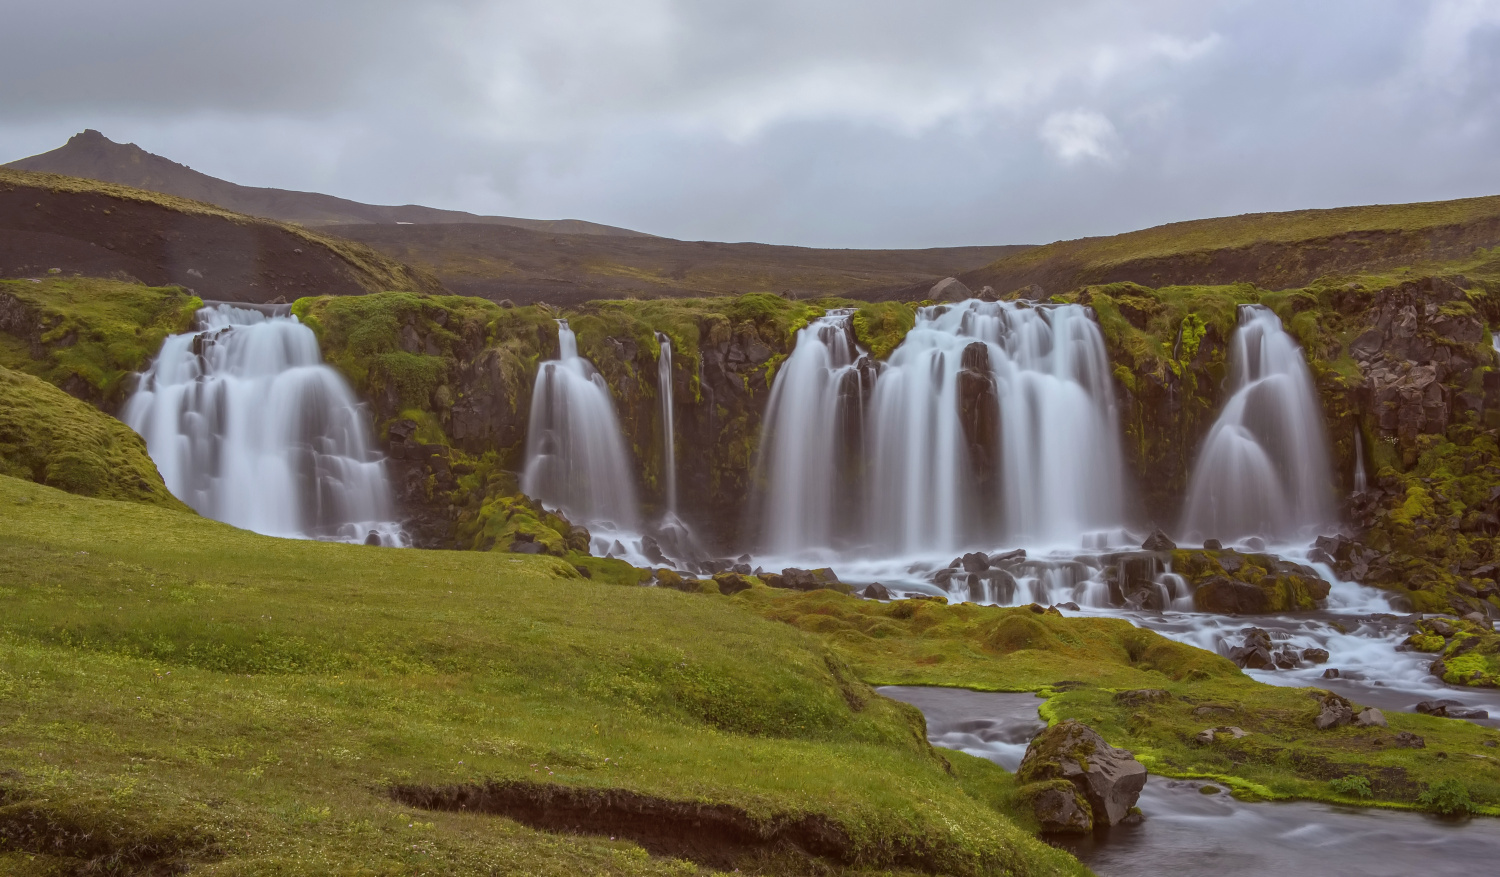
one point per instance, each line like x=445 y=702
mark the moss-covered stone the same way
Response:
x=51 y=438
x=88 y=335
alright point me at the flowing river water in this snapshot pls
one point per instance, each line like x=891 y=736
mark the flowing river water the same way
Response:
x=1188 y=833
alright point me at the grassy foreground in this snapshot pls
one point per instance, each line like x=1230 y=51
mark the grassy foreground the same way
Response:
x=174 y=692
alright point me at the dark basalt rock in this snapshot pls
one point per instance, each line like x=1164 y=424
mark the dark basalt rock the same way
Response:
x=1335 y=713
x=795 y=579
x=876 y=591
x=1109 y=779
x=731 y=583
x=1158 y=541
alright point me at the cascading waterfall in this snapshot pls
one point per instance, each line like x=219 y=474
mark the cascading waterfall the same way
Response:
x=249 y=427
x=813 y=418
x=1361 y=480
x=1264 y=467
x=995 y=420
x=668 y=424
x=575 y=453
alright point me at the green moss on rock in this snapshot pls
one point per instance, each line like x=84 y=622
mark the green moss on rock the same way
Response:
x=51 y=438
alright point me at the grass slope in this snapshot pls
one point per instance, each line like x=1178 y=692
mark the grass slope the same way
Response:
x=1271 y=250
x=51 y=438
x=174 y=692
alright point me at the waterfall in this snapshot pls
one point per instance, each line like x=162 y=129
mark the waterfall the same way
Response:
x=249 y=427
x=813 y=418
x=668 y=425
x=575 y=452
x=1361 y=480
x=995 y=420
x=1264 y=468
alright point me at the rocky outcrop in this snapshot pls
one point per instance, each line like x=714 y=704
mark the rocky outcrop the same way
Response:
x=1231 y=583
x=1108 y=779
x=949 y=289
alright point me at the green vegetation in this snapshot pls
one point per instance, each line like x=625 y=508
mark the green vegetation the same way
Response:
x=1272 y=250
x=51 y=438
x=174 y=692
x=1085 y=665
x=87 y=335
x=882 y=327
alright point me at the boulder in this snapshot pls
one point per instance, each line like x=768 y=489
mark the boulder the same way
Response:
x=1331 y=673
x=1212 y=545
x=978 y=561
x=1158 y=541
x=1370 y=717
x=1335 y=713
x=1439 y=707
x=1109 y=779
x=949 y=289
x=731 y=583
x=1315 y=656
x=805 y=579
x=876 y=591
x=1225 y=732
x=1059 y=807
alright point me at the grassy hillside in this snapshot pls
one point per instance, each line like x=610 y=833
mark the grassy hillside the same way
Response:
x=103 y=229
x=177 y=693
x=51 y=438
x=528 y=266
x=1270 y=250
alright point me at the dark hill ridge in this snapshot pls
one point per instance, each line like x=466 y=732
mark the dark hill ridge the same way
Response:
x=98 y=229
x=497 y=262
x=1271 y=250
x=93 y=156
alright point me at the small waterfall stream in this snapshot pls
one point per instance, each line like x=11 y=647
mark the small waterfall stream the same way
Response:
x=668 y=422
x=249 y=427
x=1264 y=468
x=575 y=452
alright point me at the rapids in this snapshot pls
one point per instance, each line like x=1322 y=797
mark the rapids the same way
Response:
x=249 y=427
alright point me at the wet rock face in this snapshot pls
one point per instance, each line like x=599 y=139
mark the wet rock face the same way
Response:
x=979 y=412
x=1060 y=807
x=1109 y=779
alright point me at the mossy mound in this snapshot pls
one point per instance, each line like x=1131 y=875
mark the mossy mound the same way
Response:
x=51 y=438
x=86 y=335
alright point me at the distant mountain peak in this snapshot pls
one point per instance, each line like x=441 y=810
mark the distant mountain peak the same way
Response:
x=91 y=155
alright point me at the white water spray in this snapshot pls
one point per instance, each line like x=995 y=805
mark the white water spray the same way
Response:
x=575 y=455
x=1057 y=465
x=1264 y=468
x=249 y=427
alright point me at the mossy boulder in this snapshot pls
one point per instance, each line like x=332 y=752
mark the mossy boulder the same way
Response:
x=1109 y=779
x=1228 y=582
x=51 y=438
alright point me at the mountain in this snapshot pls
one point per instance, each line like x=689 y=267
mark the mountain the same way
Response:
x=93 y=156
x=66 y=225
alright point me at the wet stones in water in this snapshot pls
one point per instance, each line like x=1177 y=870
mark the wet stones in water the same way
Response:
x=877 y=591
x=1331 y=673
x=1315 y=656
x=373 y=538
x=1212 y=545
x=976 y=561
x=1450 y=709
x=1070 y=606
x=1006 y=558
x=794 y=579
x=1257 y=652
x=1158 y=541
x=652 y=550
x=1107 y=779
x=1335 y=713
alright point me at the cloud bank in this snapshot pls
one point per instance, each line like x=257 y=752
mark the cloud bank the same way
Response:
x=860 y=123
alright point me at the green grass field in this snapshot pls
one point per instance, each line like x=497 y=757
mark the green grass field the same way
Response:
x=174 y=692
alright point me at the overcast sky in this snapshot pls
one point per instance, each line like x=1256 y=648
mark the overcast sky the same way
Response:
x=848 y=123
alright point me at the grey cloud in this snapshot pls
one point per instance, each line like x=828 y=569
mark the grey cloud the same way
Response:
x=874 y=123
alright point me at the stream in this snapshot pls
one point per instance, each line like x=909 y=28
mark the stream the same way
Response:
x=1187 y=832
